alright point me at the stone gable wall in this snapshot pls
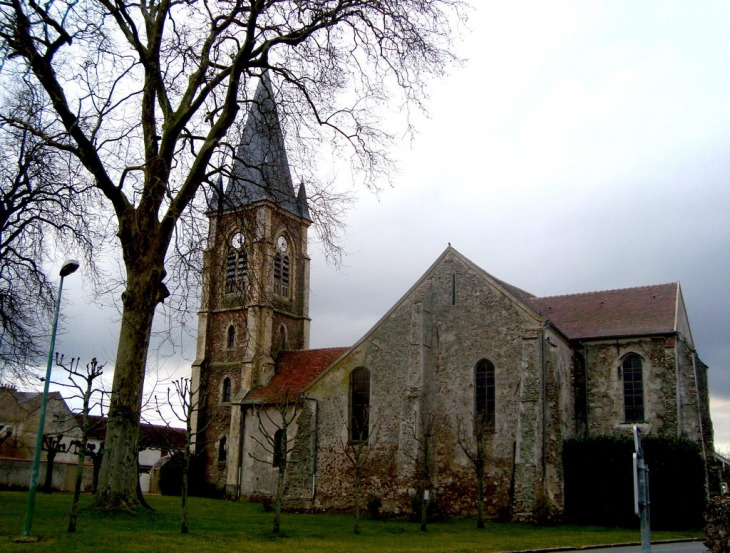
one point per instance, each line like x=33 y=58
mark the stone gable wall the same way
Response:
x=422 y=358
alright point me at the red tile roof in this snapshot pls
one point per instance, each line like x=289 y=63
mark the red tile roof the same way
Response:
x=151 y=436
x=627 y=312
x=295 y=370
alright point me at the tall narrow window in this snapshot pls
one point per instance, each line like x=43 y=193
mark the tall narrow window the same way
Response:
x=484 y=398
x=231 y=339
x=285 y=276
x=282 y=270
x=453 y=289
x=281 y=275
x=230 y=272
x=226 y=395
x=359 y=404
x=236 y=265
x=279 y=448
x=222 y=450
x=633 y=389
x=282 y=337
x=241 y=268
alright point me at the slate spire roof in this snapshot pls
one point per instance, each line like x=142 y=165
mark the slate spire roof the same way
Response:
x=261 y=169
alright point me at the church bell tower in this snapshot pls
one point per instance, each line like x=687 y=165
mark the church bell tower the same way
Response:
x=255 y=297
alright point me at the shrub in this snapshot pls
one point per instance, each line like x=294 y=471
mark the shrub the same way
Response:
x=433 y=513
x=599 y=481
x=374 y=505
x=171 y=475
x=266 y=500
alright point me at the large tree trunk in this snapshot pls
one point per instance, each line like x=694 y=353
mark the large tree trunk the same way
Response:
x=118 y=477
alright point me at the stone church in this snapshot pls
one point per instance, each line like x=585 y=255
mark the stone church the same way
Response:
x=459 y=346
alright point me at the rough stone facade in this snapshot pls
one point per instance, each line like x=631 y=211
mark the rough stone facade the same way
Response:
x=421 y=358
x=551 y=369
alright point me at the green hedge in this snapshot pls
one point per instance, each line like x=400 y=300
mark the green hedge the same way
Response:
x=599 y=481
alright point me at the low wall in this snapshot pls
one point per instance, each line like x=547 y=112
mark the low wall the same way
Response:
x=15 y=473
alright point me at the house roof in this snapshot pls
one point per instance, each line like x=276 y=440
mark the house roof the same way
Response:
x=260 y=168
x=17 y=406
x=642 y=311
x=647 y=310
x=151 y=436
x=295 y=370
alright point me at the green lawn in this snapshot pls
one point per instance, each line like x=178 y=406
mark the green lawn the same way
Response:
x=223 y=527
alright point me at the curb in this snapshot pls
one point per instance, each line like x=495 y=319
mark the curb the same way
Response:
x=604 y=546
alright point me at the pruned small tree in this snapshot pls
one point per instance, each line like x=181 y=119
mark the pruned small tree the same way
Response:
x=277 y=436
x=362 y=434
x=184 y=402
x=96 y=455
x=473 y=438
x=431 y=426
x=53 y=444
x=83 y=381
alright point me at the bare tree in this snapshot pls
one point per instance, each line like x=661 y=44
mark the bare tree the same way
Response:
x=431 y=426
x=53 y=444
x=142 y=95
x=362 y=435
x=282 y=439
x=40 y=210
x=184 y=402
x=91 y=397
x=474 y=442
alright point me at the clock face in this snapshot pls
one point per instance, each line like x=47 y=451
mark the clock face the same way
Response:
x=282 y=244
x=237 y=240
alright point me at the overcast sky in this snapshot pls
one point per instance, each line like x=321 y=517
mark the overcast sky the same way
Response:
x=584 y=146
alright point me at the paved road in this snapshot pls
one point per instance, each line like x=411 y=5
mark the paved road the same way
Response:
x=684 y=547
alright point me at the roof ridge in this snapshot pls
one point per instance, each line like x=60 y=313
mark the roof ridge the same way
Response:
x=313 y=349
x=604 y=291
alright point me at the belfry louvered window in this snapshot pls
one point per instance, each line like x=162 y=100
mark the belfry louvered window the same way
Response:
x=282 y=274
x=236 y=269
x=484 y=393
x=633 y=378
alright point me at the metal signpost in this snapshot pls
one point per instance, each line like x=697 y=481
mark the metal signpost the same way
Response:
x=641 y=492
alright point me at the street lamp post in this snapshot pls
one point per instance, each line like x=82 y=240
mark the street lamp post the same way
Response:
x=68 y=267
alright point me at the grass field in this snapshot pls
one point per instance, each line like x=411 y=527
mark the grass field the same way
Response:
x=219 y=526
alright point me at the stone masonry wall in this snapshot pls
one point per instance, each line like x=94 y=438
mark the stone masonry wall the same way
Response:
x=421 y=358
x=605 y=385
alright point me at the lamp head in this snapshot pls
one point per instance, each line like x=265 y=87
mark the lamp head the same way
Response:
x=69 y=266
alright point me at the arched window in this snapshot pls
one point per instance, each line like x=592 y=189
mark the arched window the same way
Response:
x=222 y=450
x=359 y=405
x=226 y=395
x=633 y=388
x=484 y=392
x=282 y=337
x=236 y=265
x=231 y=338
x=279 y=448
